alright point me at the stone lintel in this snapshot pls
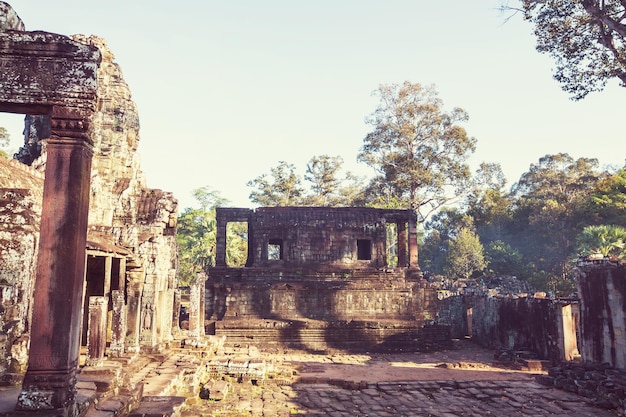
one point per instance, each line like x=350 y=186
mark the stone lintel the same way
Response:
x=38 y=68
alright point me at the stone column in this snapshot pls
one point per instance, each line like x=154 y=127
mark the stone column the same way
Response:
x=176 y=312
x=202 y=278
x=118 y=323
x=413 y=241
x=194 y=309
x=49 y=383
x=220 y=240
x=133 y=308
x=97 y=331
x=147 y=333
x=108 y=268
x=121 y=277
x=402 y=245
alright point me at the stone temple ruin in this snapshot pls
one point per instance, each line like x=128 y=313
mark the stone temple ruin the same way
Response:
x=88 y=258
x=321 y=278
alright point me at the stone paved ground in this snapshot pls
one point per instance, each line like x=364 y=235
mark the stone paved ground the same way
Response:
x=394 y=399
x=393 y=385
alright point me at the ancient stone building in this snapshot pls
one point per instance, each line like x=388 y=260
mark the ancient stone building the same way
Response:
x=83 y=198
x=323 y=278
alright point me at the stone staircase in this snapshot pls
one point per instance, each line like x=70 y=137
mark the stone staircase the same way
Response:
x=146 y=385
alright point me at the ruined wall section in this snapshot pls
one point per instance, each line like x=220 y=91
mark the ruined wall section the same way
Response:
x=314 y=236
x=20 y=207
x=539 y=325
x=602 y=287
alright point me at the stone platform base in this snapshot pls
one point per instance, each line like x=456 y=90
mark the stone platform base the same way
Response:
x=327 y=336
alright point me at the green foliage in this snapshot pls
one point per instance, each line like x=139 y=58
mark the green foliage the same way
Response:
x=548 y=209
x=605 y=240
x=607 y=203
x=465 y=254
x=505 y=260
x=281 y=188
x=417 y=150
x=442 y=228
x=196 y=243
x=236 y=244
x=321 y=172
x=4 y=142
x=196 y=237
x=586 y=39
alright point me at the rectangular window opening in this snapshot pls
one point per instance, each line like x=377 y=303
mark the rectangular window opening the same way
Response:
x=275 y=250
x=236 y=244
x=364 y=249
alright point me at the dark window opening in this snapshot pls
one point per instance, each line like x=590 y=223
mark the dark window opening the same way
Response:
x=364 y=249
x=275 y=250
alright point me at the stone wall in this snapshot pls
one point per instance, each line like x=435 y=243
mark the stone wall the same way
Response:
x=545 y=327
x=320 y=237
x=20 y=207
x=602 y=286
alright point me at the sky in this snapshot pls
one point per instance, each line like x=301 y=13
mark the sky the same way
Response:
x=227 y=89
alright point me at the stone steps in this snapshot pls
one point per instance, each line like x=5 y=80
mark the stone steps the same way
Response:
x=343 y=336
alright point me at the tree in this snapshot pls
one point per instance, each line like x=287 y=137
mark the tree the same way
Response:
x=585 y=37
x=605 y=240
x=607 y=203
x=417 y=150
x=548 y=213
x=196 y=237
x=322 y=172
x=441 y=229
x=281 y=188
x=465 y=254
x=505 y=260
x=4 y=141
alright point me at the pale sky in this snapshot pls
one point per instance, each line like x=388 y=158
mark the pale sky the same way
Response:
x=227 y=89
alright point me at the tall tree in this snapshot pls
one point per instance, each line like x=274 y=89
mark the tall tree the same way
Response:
x=322 y=172
x=281 y=188
x=417 y=149
x=548 y=211
x=585 y=37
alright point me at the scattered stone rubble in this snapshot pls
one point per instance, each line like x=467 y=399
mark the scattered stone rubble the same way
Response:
x=603 y=384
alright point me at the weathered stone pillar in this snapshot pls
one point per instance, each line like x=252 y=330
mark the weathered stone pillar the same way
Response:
x=402 y=244
x=176 y=312
x=195 y=320
x=147 y=333
x=133 y=308
x=118 y=323
x=49 y=383
x=108 y=268
x=97 y=331
x=202 y=301
x=121 y=277
x=220 y=243
x=413 y=241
